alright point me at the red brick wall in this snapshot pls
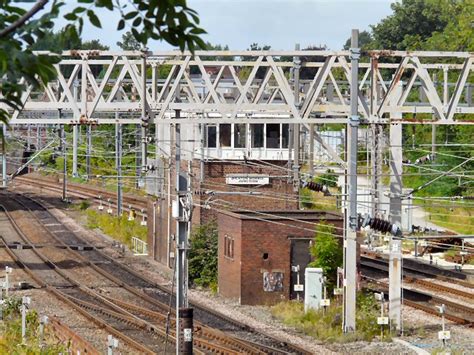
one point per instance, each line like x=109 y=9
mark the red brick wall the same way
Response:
x=259 y=237
x=229 y=269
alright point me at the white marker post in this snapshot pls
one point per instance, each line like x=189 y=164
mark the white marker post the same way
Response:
x=25 y=301
x=444 y=334
x=112 y=343
x=381 y=320
x=8 y=271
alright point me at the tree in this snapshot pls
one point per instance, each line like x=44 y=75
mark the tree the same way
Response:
x=326 y=251
x=365 y=41
x=169 y=20
x=129 y=42
x=202 y=256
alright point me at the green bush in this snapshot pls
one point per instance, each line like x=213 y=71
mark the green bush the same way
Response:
x=202 y=256
x=326 y=251
x=326 y=325
x=10 y=333
x=120 y=229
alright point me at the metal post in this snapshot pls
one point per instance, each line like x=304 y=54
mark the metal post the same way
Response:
x=43 y=322
x=4 y=157
x=311 y=148
x=75 y=134
x=24 y=307
x=395 y=259
x=28 y=137
x=350 y=242
x=8 y=271
x=118 y=164
x=112 y=343
x=433 y=142
x=88 y=150
x=145 y=118
x=296 y=127
x=182 y=211
x=138 y=159
x=64 y=151
x=38 y=137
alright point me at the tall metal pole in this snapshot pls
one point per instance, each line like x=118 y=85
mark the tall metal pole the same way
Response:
x=64 y=151
x=145 y=118
x=75 y=134
x=311 y=148
x=182 y=213
x=118 y=164
x=395 y=258
x=296 y=127
x=350 y=242
x=4 y=157
x=38 y=137
x=88 y=150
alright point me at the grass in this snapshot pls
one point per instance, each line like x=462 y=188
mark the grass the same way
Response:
x=327 y=325
x=121 y=229
x=10 y=333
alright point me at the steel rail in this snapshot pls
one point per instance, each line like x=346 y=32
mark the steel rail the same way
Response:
x=205 y=331
x=292 y=347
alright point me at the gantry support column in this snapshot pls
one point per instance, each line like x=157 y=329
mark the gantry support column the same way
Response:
x=145 y=121
x=311 y=148
x=395 y=260
x=4 y=157
x=75 y=136
x=351 y=225
x=88 y=150
x=296 y=127
x=118 y=164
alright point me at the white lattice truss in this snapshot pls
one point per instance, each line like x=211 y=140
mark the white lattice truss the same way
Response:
x=252 y=86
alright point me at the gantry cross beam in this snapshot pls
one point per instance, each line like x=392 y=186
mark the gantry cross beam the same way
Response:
x=250 y=86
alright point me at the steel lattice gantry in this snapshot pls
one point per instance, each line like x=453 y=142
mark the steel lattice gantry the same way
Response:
x=251 y=86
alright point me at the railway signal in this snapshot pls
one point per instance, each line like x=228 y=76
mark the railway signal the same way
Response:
x=25 y=302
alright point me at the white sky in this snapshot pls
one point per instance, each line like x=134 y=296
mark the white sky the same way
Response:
x=279 y=23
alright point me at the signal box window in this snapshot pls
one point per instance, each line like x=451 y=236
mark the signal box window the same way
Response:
x=257 y=135
x=224 y=135
x=211 y=137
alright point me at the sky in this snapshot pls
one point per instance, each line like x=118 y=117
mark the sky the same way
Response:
x=278 y=23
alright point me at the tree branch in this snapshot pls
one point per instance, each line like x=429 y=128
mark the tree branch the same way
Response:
x=21 y=21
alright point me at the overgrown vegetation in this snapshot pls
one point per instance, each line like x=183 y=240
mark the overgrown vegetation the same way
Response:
x=203 y=256
x=327 y=252
x=10 y=333
x=121 y=229
x=326 y=325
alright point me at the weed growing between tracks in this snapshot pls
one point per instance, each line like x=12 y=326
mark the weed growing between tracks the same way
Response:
x=10 y=333
x=327 y=325
x=119 y=228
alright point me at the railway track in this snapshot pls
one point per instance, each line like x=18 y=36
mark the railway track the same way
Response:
x=423 y=270
x=427 y=302
x=97 y=195
x=150 y=293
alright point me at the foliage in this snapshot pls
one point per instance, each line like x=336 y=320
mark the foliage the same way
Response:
x=329 y=178
x=129 y=42
x=326 y=251
x=202 y=256
x=327 y=325
x=120 y=229
x=169 y=20
x=10 y=333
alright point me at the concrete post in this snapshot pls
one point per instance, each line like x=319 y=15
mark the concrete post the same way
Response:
x=395 y=259
x=350 y=242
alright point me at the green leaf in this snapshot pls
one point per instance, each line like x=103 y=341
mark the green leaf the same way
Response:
x=93 y=18
x=70 y=17
x=121 y=25
x=130 y=15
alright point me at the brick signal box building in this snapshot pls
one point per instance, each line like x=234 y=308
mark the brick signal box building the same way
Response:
x=257 y=252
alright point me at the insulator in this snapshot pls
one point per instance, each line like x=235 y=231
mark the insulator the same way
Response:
x=406 y=161
x=423 y=159
x=315 y=186
x=381 y=225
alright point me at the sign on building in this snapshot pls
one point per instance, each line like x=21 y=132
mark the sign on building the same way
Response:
x=247 y=179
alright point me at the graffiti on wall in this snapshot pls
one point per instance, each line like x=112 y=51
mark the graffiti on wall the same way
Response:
x=272 y=281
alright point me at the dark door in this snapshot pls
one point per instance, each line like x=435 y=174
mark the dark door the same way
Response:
x=300 y=258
